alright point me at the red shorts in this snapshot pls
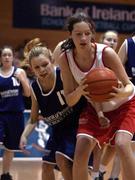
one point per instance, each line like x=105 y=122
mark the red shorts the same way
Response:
x=122 y=118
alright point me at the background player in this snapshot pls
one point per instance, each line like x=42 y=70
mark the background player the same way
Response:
x=13 y=85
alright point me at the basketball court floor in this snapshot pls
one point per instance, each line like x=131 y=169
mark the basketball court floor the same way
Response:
x=30 y=169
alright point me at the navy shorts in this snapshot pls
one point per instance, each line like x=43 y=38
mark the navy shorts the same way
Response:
x=11 y=128
x=63 y=143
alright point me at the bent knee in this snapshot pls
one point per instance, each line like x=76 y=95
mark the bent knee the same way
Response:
x=61 y=160
x=47 y=167
x=122 y=141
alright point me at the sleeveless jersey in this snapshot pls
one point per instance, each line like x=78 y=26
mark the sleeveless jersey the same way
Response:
x=11 y=98
x=77 y=73
x=52 y=105
x=97 y=62
x=130 y=63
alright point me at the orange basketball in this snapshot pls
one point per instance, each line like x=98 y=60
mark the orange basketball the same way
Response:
x=100 y=82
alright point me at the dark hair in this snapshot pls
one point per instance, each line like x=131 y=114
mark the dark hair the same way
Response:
x=76 y=18
x=6 y=47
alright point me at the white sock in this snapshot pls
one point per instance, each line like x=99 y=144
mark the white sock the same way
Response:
x=102 y=168
x=94 y=175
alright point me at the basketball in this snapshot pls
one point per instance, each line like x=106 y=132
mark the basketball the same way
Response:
x=100 y=82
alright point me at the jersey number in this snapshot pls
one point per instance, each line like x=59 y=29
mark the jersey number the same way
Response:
x=15 y=82
x=60 y=95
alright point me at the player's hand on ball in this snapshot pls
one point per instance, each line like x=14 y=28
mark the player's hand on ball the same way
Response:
x=119 y=91
x=82 y=88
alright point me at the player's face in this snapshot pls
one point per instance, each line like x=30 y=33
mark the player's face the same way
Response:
x=81 y=35
x=41 y=66
x=111 y=39
x=7 y=57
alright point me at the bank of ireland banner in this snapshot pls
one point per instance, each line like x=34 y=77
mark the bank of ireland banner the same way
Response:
x=45 y=14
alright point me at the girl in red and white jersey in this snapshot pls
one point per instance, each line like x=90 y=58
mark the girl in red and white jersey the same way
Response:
x=80 y=55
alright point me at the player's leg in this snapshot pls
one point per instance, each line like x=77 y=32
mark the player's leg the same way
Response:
x=58 y=174
x=108 y=154
x=83 y=150
x=65 y=152
x=48 y=171
x=116 y=164
x=115 y=168
x=49 y=161
x=133 y=144
x=125 y=152
x=65 y=165
x=7 y=161
x=13 y=125
x=97 y=153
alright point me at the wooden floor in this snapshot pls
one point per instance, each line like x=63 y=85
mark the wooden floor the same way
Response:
x=27 y=169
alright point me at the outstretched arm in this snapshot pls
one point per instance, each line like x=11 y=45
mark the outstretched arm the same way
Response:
x=31 y=122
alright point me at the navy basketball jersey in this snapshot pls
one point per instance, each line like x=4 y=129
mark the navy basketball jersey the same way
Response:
x=11 y=98
x=53 y=105
x=130 y=64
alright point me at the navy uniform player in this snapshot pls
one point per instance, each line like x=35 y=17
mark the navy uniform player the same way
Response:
x=47 y=96
x=13 y=85
x=127 y=54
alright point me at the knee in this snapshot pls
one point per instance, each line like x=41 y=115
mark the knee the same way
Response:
x=63 y=162
x=122 y=144
x=83 y=150
x=47 y=167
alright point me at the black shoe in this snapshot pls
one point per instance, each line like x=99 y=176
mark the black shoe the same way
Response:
x=97 y=178
x=113 y=179
x=101 y=175
x=6 y=176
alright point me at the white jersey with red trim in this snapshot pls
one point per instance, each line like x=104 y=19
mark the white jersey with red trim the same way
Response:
x=97 y=61
x=78 y=75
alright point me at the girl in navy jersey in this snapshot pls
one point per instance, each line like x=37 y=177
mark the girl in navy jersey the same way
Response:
x=48 y=97
x=127 y=54
x=80 y=55
x=13 y=85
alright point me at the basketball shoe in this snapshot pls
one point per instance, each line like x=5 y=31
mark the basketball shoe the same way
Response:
x=101 y=175
x=6 y=176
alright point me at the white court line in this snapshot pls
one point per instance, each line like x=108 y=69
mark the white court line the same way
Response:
x=25 y=159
